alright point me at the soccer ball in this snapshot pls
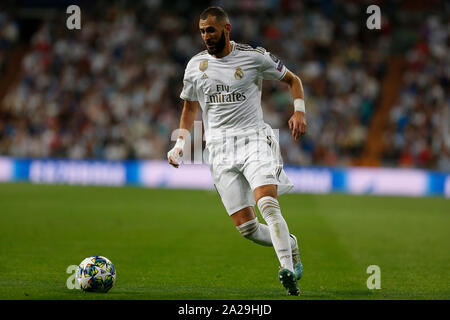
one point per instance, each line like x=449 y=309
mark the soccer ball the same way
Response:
x=96 y=274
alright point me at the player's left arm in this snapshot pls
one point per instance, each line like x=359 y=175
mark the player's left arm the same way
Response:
x=297 y=122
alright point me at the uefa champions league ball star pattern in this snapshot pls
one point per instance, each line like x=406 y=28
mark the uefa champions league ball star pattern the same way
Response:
x=96 y=274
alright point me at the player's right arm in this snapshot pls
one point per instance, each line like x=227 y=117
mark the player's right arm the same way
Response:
x=188 y=116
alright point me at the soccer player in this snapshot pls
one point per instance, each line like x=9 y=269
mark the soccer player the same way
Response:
x=225 y=82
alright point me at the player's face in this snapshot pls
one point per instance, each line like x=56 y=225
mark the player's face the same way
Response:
x=213 y=34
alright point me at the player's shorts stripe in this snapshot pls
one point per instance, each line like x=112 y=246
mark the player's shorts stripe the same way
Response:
x=274 y=148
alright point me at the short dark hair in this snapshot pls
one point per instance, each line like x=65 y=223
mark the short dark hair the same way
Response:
x=217 y=12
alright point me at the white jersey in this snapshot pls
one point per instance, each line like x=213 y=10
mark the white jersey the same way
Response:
x=229 y=88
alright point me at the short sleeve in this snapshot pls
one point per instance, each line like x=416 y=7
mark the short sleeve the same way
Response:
x=272 y=67
x=188 y=92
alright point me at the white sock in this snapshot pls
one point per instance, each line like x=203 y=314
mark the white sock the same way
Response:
x=255 y=231
x=279 y=232
x=258 y=233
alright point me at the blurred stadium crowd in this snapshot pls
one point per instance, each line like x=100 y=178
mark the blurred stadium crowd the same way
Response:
x=9 y=36
x=419 y=130
x=111 y=90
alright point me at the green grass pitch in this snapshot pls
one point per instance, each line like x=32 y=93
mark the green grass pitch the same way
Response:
x=181 y=244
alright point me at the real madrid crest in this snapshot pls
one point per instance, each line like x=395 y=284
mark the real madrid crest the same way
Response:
x=203 y=65
x=239 y=74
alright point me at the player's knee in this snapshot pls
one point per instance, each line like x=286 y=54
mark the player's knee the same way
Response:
x=247 y=229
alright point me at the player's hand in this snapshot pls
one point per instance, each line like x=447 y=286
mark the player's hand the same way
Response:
x=174 y=156
x=297 y=124
x=176 y=153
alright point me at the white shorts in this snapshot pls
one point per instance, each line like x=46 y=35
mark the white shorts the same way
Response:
x=241 y=163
